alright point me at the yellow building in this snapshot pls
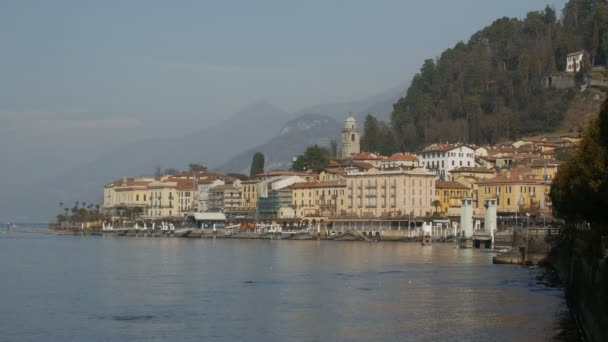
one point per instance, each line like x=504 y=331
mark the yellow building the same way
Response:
x=318 y=198
x=449 y=194
x=471 y=175
x=545 y=169
x=170 y=197
x=249 y=194
x=332 y=174
x=127 y=193
x=514 y=194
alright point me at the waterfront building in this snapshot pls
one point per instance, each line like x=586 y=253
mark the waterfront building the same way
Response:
x=318 y=198
x=274 y=193
x=204 y=191
x=162 y=196
x=269 y=207
x=388 y=193
x=515 y=193
x=442 y=158
x=127 y=194
x=350 y=138
x=449 y=195
x=226 y=197
x=249 y=193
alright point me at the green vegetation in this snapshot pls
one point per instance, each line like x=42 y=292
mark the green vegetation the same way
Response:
x=257 y=164
x=333 y=147
x=314 y=158
x=197 y=167
x=80 y=212
x=491 y=88
x=377 y=137
x=580 y=188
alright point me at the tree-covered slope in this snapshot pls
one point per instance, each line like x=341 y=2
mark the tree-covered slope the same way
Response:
x=491 y=88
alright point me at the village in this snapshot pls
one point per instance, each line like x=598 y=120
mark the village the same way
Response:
x=358 y=186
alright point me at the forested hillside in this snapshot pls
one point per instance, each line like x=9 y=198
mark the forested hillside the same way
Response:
x=490 y=88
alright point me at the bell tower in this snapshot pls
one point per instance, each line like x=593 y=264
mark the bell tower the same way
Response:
x=350 y=138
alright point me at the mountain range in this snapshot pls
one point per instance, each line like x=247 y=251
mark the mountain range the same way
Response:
x=227 y=146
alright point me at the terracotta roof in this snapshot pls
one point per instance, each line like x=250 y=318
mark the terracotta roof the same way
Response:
x=129 y=182
x=402 y=156
x=366 y=156
x=472 y=169
x=182 y=184
x=449 y=185
x=285 y=173
x=223 y=187
x=336 y=170
x=509 y=180
x=488 y=158
x=304 y=185
x=444 y=147
x=307 y=185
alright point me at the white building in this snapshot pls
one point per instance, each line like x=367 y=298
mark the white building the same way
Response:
x=481 y=152
x=204 y=187
x=574 y=61
x=276 y=183
x=350 y=138
x=442 y=158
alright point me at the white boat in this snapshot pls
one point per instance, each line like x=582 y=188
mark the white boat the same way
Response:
x=183 y=232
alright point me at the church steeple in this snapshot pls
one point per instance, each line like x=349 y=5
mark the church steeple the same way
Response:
x=350 y=137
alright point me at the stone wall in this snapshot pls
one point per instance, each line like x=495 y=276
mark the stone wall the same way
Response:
x=584 y=272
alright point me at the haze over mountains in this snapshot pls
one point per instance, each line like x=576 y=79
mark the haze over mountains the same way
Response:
x=117 y=88
x=227 y=146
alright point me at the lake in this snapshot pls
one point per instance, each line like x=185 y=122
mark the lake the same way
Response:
x=73 y=288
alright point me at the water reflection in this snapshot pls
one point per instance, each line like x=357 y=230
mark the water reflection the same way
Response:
x=107 y=288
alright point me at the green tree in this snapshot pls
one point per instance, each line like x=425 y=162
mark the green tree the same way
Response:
x=378 y=137
x=314 y=158
x=580 y=187
x=196 y=167
x=257 y=164
x=370 y=141
x=436 y=204
x=464 y=94
x=333 y=145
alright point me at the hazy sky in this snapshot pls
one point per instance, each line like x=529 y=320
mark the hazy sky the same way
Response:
x=78 y=78
x=167 y=66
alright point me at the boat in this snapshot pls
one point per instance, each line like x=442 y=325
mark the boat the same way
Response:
x=182 y=232
x=294 y=232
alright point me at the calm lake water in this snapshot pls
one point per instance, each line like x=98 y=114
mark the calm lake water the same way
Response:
x=72 y=288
